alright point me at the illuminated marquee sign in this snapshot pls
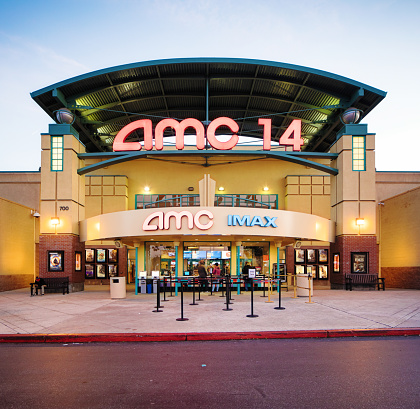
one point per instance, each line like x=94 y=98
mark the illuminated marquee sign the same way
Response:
x=164 y=220
x=234 y=220
x=291 y=136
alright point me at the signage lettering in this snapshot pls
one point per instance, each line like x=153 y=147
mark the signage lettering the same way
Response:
x=291 y=137
x=234 y=220
x=164 y=220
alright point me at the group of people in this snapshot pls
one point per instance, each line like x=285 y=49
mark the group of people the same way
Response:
x=215 y=273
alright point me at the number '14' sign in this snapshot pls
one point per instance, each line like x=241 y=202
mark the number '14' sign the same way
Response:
x=290 y=137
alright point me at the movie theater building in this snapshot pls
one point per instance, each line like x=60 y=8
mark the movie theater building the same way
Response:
x=154 y=166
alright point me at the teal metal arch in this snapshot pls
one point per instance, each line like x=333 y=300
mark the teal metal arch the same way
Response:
x=113 y=158
x=207 y=60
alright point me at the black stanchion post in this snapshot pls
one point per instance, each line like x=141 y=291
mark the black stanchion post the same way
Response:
x=199 y=289
x=193 y=303
x=158 y=297
x=211 y=284
x=221 y=282
x=230 y=290
x=170 y=284
x=279 y=307
x=182 y=304
x=227 y=296
x=164 y=289
x=252 y=315
x=263 y=283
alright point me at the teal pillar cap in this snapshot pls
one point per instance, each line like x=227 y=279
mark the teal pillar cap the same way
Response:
x=353 y=129
x=62 y=129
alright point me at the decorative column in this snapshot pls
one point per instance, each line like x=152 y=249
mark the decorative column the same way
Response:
x=353 y=204
x=278 y=246
x=207 y=189
x=136 y=247
x=176 y=245
x=61 y=254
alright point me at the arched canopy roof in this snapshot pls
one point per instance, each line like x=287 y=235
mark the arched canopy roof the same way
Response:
x=104 y=101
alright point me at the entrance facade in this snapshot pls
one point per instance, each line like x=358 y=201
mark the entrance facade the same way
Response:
x=303 y=195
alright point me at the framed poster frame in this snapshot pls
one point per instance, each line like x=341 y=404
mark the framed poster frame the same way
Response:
x=323 y=272
x=359 y=262
x=89 y=271
x=322 y=256
x=300 y=269
x=55 y=260
x=311 y=256
x=101 y=271
x=300 y=256
x=78 y=261
x=101 y=255
x=336 y=262
x=312 y=269
x=112 y=270
x=89 y=255
x=112 y=255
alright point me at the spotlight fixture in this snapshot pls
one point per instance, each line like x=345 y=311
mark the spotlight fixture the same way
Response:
x=266 y=189
x=147 y=189
x=221 y=188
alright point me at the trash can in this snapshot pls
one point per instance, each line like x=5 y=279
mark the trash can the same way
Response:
x=149 y=284
x=302 y=284
x=117 y=287
x=143 y=286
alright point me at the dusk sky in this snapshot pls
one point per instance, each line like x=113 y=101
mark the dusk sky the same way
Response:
x=373 y=42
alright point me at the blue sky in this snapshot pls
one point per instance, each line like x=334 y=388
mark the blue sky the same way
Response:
x=374 y=42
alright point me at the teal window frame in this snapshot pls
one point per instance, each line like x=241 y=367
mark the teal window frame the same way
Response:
x=358 y=147
x=261 y=201
x=148 y=201
x=57 y=153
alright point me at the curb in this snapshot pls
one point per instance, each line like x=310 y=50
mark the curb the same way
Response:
x=206 y=336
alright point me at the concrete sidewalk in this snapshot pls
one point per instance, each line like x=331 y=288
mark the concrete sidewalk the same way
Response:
x=93 y=315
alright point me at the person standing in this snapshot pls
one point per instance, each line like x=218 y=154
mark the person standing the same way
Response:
x=245 y=276
x=202 y=275
x=216 y=277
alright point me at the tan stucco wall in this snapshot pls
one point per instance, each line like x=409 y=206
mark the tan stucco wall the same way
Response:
x=389 y=184
x=18 y=241
x=353 y=192
x=105 y=194
x=63 y=189
x=21 y=187
x=399 y=233
x=237 y=178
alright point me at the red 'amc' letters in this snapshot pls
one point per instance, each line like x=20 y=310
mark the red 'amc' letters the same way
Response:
x=291 y=137
x=163 y=220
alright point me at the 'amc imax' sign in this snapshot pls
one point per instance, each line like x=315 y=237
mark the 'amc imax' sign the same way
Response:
x=235 y=220
x=290 y=137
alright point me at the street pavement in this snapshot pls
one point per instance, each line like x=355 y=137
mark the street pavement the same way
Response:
x=92 y=315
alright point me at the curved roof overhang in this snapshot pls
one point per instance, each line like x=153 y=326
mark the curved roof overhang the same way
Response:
x=209 y=158
x=105 y=101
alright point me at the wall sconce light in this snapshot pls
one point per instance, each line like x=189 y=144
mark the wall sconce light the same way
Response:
x=190 y=189
x=147 y=189
x=34 y=213
x=221 y=188
x=266 y=189
x=360 y=222
x=55 y=221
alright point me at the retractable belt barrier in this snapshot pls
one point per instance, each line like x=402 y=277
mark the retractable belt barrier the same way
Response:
x=227 y=283
x=309 y=288
x=157 y=296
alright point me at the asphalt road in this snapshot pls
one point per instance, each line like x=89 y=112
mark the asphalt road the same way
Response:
x=308 y=373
